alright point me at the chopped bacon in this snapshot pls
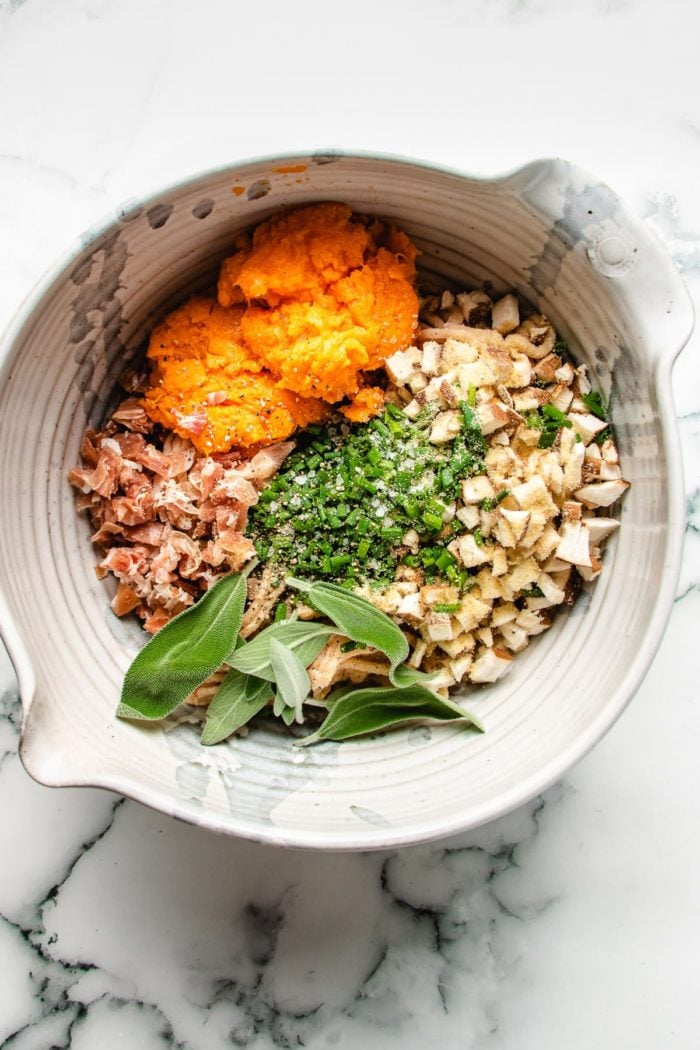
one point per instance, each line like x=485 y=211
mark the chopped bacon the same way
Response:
x=126 y=561
x=152 y=533
x=125 y=600
x=194 y=422
x=155 y=461
x=132 y=415
x=233 y=486
x=209 y=476
x=80 y=478
x=131 y=445
x=90 y=448
x=169 y=520
x=156 y=620
x=267 y=462
x=105 y=476
x=133 y=510
x=106 y=533
x=238 y=549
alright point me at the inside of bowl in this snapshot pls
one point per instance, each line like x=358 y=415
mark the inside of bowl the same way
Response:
x=538 y=232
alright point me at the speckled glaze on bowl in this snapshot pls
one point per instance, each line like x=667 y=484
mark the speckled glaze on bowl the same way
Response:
x=551 y=231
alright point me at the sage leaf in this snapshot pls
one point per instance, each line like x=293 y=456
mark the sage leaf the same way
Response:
x=237 y=699
x=288 y=715
x=360 y=621
x=405 y=675
x=304 y=637
x=291 y=678
x=185 y=652
x=370 y=710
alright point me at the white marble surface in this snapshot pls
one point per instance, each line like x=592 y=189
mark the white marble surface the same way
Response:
x=571 y=923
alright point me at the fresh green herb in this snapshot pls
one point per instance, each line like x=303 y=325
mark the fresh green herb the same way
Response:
x=532 y=592
x=370 y=710
x=305 y=638
x=185 y=652
x=561 y=346
x=549 y=420
x=340 y=505
x=594 y=403
x=356 y=618
x=291 y=677
x=237 y=699
x=447 y=607
x=491 y=504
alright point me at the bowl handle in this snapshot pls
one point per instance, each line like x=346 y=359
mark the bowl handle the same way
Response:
x=584 y=214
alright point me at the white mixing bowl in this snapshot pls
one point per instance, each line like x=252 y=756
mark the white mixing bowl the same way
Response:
x=549 y=230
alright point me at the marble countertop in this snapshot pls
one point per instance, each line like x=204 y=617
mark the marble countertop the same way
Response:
x=573 y=922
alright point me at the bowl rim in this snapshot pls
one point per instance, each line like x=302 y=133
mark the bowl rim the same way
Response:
x=367 y=837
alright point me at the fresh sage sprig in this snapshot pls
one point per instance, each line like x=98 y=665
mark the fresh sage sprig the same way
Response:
x=306 y=638
x=293 y=683
x=358 y=619
x=364 y=711
x=272 y=667
x=185 y=652
x=238 y=698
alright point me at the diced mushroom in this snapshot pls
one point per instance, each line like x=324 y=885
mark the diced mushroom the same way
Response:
x=439 y=626
x=550 y=591
x=510 y=526
x=515 y=637
x=469 y=516
x=587 y=425
x=546 y=369
x=489 y=665
x=571 y=510
x=600 y=528
x=471 y=612
x=533 y=495
x=446 y=427
x=475 y=489
x=500 y=562
x=475 y=306
x=561 y=397
x=505 y=613
x=469 y=552
x=565 y=374
x=505 y=314
x=573 y=467
x=603 y=494
x=575 y=544
x=402 y=364
x=430 y=362
x=460 y=667
x=521 y=370
x=609 y=471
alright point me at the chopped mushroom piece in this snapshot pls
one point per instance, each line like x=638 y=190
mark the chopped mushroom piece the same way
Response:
x=446 y=427
x=603 y=494
x=489 y=665
x=600 y=528
x=505 y=315
x=575 y=544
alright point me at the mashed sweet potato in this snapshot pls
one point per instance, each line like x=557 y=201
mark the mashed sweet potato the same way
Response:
x=311 y=302
x=207 y=387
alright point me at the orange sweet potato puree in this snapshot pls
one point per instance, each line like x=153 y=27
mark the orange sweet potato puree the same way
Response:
x=311 y=302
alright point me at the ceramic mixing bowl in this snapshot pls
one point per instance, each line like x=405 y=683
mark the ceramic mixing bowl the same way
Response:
x=549 y=230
